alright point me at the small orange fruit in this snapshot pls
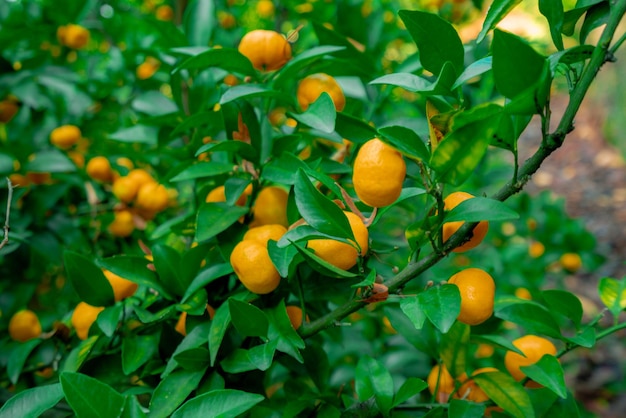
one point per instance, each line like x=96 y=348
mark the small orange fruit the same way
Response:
x=83 y=317
x=253 y=266
x=148 y=68
x=125 y=189
x=378 y=174
x=536 y=249
x=65 y=136
x=441 y=380
x=571 y=262
x=265 y=8
x=340 y=254
x=164 y=12
x=523 y=293
x=533 y=347
x=477 y=290
x=24 y=325
x=449 y=228
x=471 y=391
x=74 y=36
x=123 y=224
x=8 y=109
x=311 y=87
x=265 y=233
x=152 y=197
x=99 y=168
x=219 y=195
x=270 y=207
x=295 y=316
x=266 y=49
x=181 y=324
x=122 y=288
x=141 y=176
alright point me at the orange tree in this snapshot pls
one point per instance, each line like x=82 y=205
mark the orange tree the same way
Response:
x=290 y=209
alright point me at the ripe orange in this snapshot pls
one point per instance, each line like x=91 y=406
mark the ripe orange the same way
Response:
x=340 y=254
x=523 y=293
x=440 y=379
x=266 y=49
x=73 y=36
x=571 y=262
x=152 y=197
x=253 y=266
x=24 y=325
x=533 y=347
x=65 y=136
x=270 y=207
x=181 y=324
x=219 y=195
x=8 y=109
x=122 y=288
x=123 y=224
x=311 y=87
x=295 y=316
x=378 y=173
x=477 y=290
x=147 y=68
x=99 y=168
x=125 y=189
x=265 y=8
x=536 y=249
x=164 y=12
x=471 y=391
x=265 y=233
x=141 y=177
x=83 y=317
x=449 y=228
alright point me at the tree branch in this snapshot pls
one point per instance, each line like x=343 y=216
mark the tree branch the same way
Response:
x=551 y=142
x=5 y=240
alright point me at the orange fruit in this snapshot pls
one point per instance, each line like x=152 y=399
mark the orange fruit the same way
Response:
x=533 y=347
x=441 y=380
x=83 y=317
x=65 y=136
x=311 y=88
x=152 y=197
x=164 y=12
x=99 y=168
x=219 y=195
x=253 y=266
x=449 y=228
x=125 y=189
x=378 y=173
x=523 y=293
x=181 y=324
x=477 y=290
x=265 y=233
x=270 y=207
x=267 y=50
x=24 y=325
x=265 y=8
x=123 y=224
x=484 y=351
x=147 y=68
x=8 y=109
x=73 y=36
x=536 y=249
x=471 y=391
x=122 y=288
x=19 y=180
x=571 y=262
x=295 y=316
x=141 y=176
x=341 y=254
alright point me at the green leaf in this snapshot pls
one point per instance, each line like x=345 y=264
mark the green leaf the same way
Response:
x=506 y=393
x=225 y=403
x=356 y=129
x=319 y=211
x=202 y=170
x=247 y=319
x=549 y=373
x=613 y=294
x=281 y=331
x=497 y=341
x=406 y=141
x=244 y=91
x=453 y=348
x=50 y=161
x=240 y=148
x=167 y=262
x=207 y=276
x=516 y=65
x=410 y=305
x=79 y=354
x=194 y=358
x=196 y=338
x=172 y=391
x=87 y=279
x=134 y=269
x=138 y=134
x=257 y=358
x=596 y=16
x=497 y=11
x=228 y=59
x=563 y=304
x=283 y=258
x=465 y=409
x=32 y=402
x=534 y=318
x=89 y=397
x=320 y=115
x=441 y=305
x=219 y=326
x=411 y=387
x=373 y=379
x=461 y=150
x=137 y=350
x=154 y=103
x=199 y=21
x=214 y=218
x=417 y=84
x=564 y=408
x=436 y=40
x=572 y=16
x=18 y=357
x=553 y=11
x=302 y=61
x=209 y=119
x=320 y=265
x=109 y=318
x=132 y=408
x=283 y=170
x=473 y=70
x=481 y=209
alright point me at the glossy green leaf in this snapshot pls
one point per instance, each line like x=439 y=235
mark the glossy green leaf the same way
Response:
x=497 y=11
x=506 y=393
x=465 y=409
x=596 y=16
x=554 y=12
x=154 y=103
x=320 y=115
x=202 y=170
x=410 y=305
x=572 y=16
x=453 y=348
x=497 y=341
x=209 y=119
x=573 y=55
x=198 y=337
x=406 y=141
x=167 y=262
x=109 y=318
x=138 y=134
x=194 y=358
x=247 y=319
x=238 y=147
x=411 y=387
x=257 y=358
x=561 y=303
x=226 y=58
x=549 y=373
x=481 y=209
x=246 y=92
x=18 y=356
x=219 y=326
x=534 y=318
x=586 y=337
x=87 y=279
x=32 y=402
x=441 y=305
x=135 y=269
x=207 y=276
x=225 y=403
x=417 y=84
x=79 y=354
x=90 y=397
x=373 y=379
x=132 y=408
x=436 y=39
x=281 y=331
x=613 y=294
x=473 y=70
x=137 y=350
x=50 y=161
x=564 y=407
x=353 y=128
x=283 y=170
x=302 y=61
x=199 y=21
x=320 y=265
x=214 y=218
x=283 y=258
x=172 y=391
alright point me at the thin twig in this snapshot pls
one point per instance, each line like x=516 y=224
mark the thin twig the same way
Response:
x=5 y=241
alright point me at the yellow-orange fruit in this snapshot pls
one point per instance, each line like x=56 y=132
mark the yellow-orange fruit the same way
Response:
x=477 y=290
x=123 y=224
x=270 y=207
x=311 y=88
x=253 y=266
x=266 y=49
x=449 y=228
x=152 y=197
x=83 y=317
x=219 y=195
x=441 y=380
x=533 y=347
x=571 y=262
x=122 y=288
x=378 y=173
x=471 y=391
x=99 y=168
x=125 y=189
x=164 y=12
x=65 y=136
x=73 y=36
x=24 y=325
x=8 y=109
x=265 y=233
x=295 y=316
